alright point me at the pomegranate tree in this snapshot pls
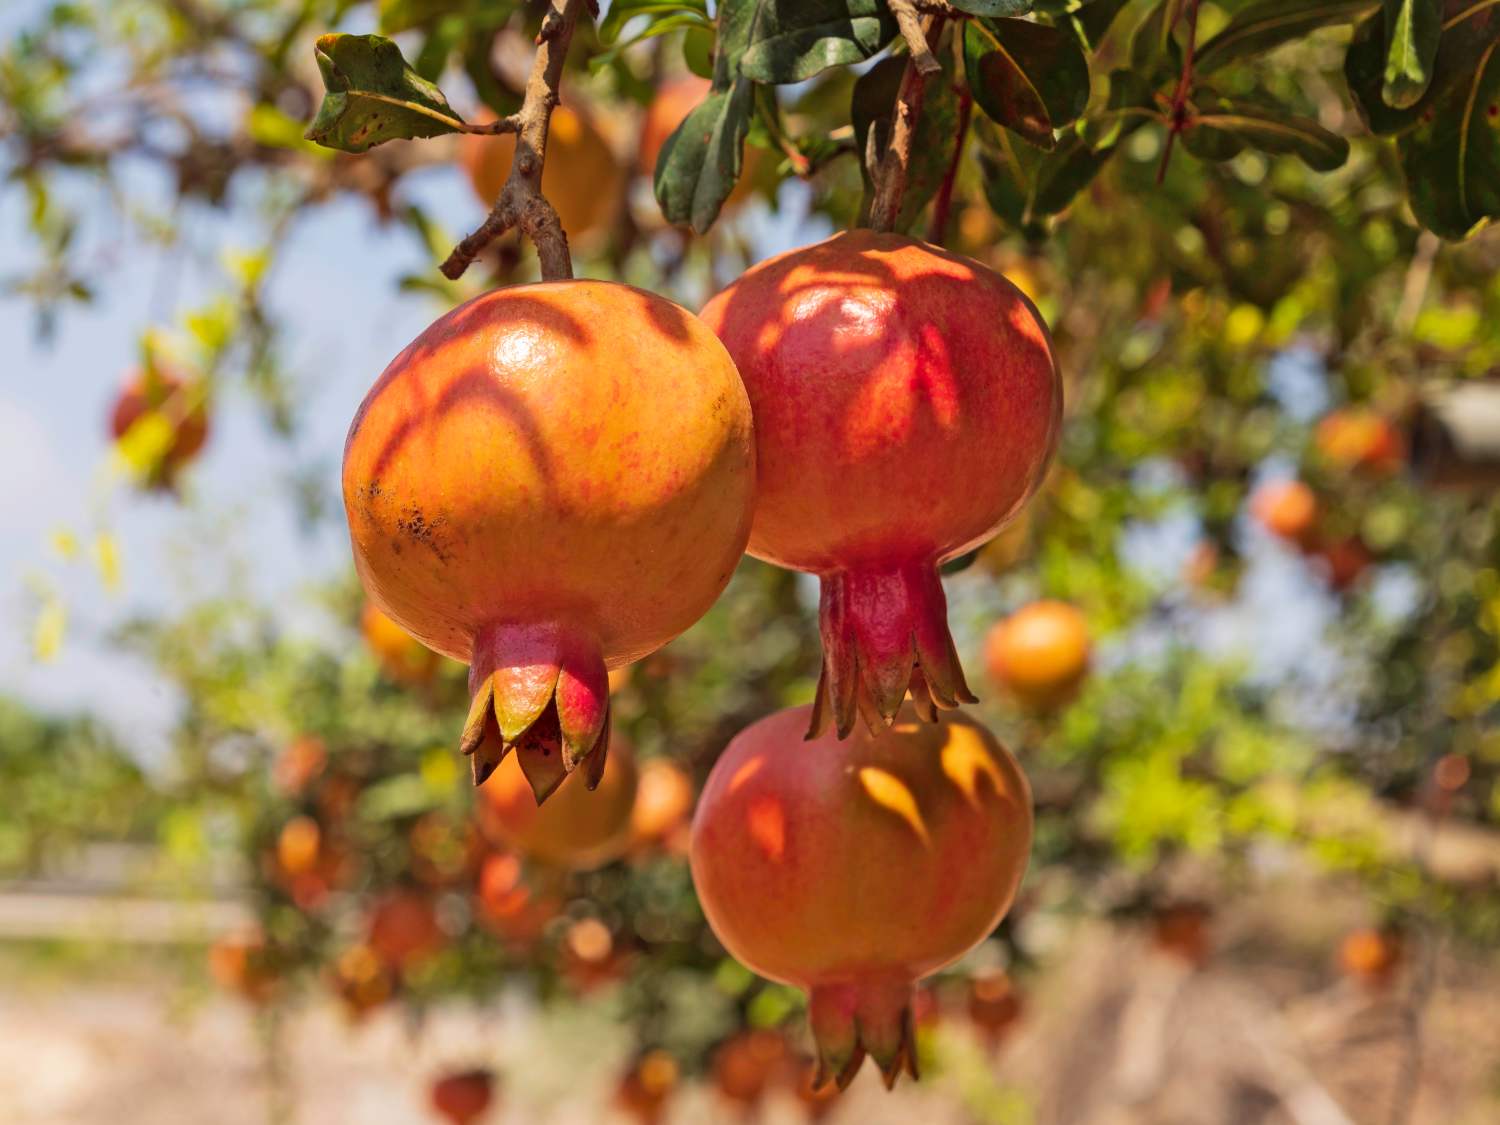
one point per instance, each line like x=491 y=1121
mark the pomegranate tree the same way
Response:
x=853 y=868
x=907 y=402
x=551 y=480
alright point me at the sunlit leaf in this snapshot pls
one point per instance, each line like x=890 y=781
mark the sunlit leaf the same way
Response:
x=1026 y=76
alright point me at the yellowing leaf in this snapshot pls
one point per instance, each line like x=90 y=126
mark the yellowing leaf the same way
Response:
x=47 y=634
x=106 y=552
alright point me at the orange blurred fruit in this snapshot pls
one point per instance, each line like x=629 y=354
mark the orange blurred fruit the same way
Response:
x=1039 y=654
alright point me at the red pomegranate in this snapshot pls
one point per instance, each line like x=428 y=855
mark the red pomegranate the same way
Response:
x=576 y=830
x=907 y=402
x=1344 y=560
x=463 y=1096
x=180 y=402
x=646 y=1088
x=853 y=868
x=551 y=480
x=745 y=1064
x=995 y=1006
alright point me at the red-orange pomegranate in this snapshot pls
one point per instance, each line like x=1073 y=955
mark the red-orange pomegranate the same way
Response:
x=463 y=1096
x=551 y=480
x=907 y=402
x=1039 y=654
x=854 y=868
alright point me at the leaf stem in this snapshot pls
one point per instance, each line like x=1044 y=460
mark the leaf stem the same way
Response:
x=1177 y=112
x=521 y=202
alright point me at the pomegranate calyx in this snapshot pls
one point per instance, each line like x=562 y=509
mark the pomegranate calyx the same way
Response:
x=851 y=1019
x=542 y=691
x=885 y=632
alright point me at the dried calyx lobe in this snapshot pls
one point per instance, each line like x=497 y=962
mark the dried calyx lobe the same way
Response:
x=541 y=690
x=885 y=632
x=856 y=1018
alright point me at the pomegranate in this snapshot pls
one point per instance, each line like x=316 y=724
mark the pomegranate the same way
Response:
x=1358 y=438
x=299 y=765
x=240 y=964
x=551 y=480
x=995 y=1006
x=1287 y=509
x=663 y=802
x=179 y=402
x=1181 y=930
x=1344 y=560
x=361 y=981
x=403 y=929
x=744 y=1065
x=589 y=958
x=853 y=868
x=1039 y=654
x=648 y=1085
x=401 y=657
x=581 y=178
x=462 y=1096
x=1371 y=956
x=298 y=845
x=576 y=830
x=907 y=403
x=510 y=907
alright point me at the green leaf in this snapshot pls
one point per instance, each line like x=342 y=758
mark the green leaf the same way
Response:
x=1226 y=126
x=374 y=96
x=1452 y=158
x=1026 y=76
x=1469 y=28
x=1412 y=30
x=873 y=98
x=1266 y=24
x=622 y=12
x=1024 y=185
x=1152 y=46
x=1130 y=105
x=1093 y=19
x=993 y=7
x=701 y=161
x=792 y=40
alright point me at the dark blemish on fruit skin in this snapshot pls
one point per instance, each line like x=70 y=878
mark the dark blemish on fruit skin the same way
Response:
x=414 y=525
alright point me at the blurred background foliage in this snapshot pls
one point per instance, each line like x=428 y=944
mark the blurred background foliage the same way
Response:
x=1259 y=693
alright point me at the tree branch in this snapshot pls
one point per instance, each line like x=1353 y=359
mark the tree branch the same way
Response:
x=521 y=203
x=938 y=228
x=890 y=174
x=1177 y=113
x=915 y=34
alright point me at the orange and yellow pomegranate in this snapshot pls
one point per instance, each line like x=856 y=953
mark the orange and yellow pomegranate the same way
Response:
x=1039 y=654
x=402 y=658
x=164 y=397
x=1288 y=509
x=550 y=481
x=853 y=868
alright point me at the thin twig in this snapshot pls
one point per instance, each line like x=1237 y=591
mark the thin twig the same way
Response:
x=1418 y=276
x=890 y=174
x=915 y=33
x=521 y=203
x=944 y=201
x=1177 y=112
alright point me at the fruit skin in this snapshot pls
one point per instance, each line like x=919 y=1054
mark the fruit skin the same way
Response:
x=581 y=178
x=551 y=480
x=178 y=399
x=1039 y=654
x=464 y=1096
x=853 y=868
x=577 y=829
x=1359 y=439
x=1287 y=509
x=907 y=402
x=402 y=658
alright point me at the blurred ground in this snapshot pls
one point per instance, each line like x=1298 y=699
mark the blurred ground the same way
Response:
x=1118 y=1033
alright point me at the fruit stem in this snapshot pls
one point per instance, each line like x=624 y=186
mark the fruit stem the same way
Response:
x=521 y=202
x=889 y=174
